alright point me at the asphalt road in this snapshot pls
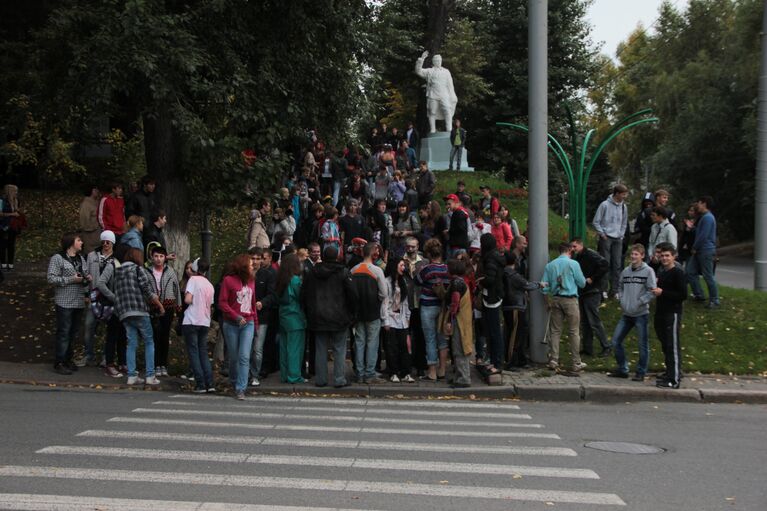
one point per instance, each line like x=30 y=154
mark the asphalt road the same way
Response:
x=735 y=271
x=132 y=450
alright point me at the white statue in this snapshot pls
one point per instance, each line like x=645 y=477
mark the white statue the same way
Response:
x=440 y=94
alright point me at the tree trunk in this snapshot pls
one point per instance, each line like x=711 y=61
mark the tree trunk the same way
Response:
x=436 y=31
x=163 y=161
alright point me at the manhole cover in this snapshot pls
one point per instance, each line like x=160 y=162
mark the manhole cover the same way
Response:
x=625 y=447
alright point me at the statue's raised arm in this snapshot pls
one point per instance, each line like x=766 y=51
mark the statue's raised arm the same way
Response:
x=440 y=94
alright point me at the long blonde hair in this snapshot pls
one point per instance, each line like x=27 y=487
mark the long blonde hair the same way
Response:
x=11 y=194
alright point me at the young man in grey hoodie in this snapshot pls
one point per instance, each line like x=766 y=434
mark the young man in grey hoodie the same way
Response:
x=610 y=221
x=635 y=289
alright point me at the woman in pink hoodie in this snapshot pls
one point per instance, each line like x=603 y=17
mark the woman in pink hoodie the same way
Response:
x=237 y=303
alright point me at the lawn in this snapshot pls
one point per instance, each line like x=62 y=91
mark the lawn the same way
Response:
x=728 y=340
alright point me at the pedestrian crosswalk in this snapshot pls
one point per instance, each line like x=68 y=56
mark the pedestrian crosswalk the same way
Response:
x=189 y=452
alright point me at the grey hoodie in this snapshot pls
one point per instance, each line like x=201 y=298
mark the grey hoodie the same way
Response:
x=611 y=218
x=634 y=288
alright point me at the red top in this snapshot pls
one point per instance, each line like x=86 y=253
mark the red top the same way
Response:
x=503 y=236
x=237 y=299
x=112 y=214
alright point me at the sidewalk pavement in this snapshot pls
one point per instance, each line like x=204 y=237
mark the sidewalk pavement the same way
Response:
x=530 y=385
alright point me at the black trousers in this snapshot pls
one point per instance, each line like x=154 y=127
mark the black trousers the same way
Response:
x=668 y=326
x=397 y=354
x=7 y=246
x=161 y=326
x=591 y=323
x=418 y=343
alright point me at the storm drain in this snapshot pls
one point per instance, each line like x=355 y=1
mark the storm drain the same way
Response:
x=625 y=447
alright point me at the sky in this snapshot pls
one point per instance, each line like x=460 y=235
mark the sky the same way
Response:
x=614 y=20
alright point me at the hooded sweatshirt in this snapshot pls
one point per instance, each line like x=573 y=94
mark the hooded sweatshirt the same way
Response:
x=257 y=234
x=611 y=218
x=329 y=297
x=634 y=288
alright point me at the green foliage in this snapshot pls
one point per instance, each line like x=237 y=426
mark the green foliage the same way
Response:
x=699 y=73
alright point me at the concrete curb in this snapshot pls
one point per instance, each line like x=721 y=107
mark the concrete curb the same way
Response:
x=525 y=392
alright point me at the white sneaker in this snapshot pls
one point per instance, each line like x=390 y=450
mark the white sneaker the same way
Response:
x=135 y=380
x=553 y=365
x=408 y=379
x=152 y=380
x=580 y=366
x=255 y=383
x=394 y=378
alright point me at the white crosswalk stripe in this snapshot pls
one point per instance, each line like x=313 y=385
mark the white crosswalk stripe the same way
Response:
x=367 y=411
x=334 y=417
x=296 y=483
x=26 y=501
x=297 y=427
x=297 y=455
x=459 y=404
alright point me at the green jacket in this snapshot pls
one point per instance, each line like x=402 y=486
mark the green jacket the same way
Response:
x=291 y=315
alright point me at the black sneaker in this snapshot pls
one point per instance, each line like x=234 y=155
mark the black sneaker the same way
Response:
x=667 y=384
x=71 y=366
x=637 y=377
x=606 y=352
x=62 y=369
x=617 y=373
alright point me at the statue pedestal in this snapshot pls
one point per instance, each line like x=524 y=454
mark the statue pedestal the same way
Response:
x=435 y=150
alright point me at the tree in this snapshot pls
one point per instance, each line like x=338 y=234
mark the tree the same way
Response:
x=699 y=73
x=207 y=79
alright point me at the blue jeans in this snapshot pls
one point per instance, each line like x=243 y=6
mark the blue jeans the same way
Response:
x=67 y=328
x=257 y=357
x=433 y=339
x=336 y=341
x=196 y=339
x=239 y=340
x=702 y=264
x=337 y=185
x=135 y=326
x=625 y=325
x=456 y=150
x=366 y=337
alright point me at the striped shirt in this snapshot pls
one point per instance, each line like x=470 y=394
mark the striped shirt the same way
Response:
x=430 y=275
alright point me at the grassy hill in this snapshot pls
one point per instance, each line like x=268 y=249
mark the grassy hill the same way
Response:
x=729 y=340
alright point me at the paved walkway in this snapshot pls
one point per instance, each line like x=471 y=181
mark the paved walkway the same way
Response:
x=537 y=384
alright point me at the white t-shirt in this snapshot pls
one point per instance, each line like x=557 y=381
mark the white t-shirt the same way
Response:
x=198 y=313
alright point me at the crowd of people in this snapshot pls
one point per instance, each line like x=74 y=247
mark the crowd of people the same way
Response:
x=355 y=246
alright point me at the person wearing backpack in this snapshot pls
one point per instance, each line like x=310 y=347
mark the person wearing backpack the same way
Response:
x=115 y=344
x=96 y=261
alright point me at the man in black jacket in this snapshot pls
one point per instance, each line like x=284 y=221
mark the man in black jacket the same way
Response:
x=671 y=291
x=329 y=299
x=266 y=280
x=154 y=232
x=458 y=231
x=457 y=141
x=594 y=268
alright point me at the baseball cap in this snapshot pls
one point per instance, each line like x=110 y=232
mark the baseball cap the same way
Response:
x=452 y=197
x=484 y=187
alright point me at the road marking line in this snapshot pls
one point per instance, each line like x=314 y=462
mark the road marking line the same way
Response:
x=332 y=417
x=426 y=413
x=305 y=442
x=27 y=501
x=416 y=403
x=317 y=461
x=288 y=427
x=351 y=486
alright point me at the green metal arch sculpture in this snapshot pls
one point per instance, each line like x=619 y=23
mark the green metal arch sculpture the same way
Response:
x=578 y=170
